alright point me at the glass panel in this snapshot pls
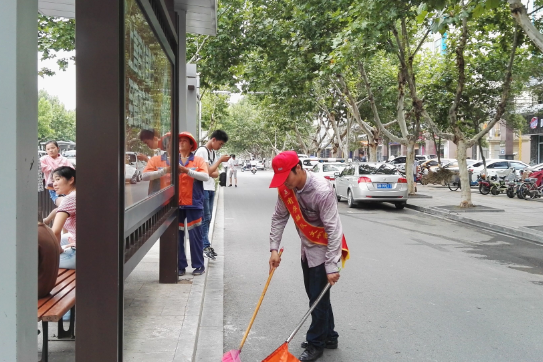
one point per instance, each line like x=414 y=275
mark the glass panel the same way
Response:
x=386 y=169
x=366 y=169
x=148 y=109
x=329 y=168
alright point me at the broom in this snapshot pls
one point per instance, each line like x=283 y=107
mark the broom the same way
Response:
x=233 y=355
x=282 y=354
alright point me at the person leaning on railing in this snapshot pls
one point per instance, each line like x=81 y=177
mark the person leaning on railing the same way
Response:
x=65 y=215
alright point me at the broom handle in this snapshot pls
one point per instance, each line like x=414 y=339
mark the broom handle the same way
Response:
x=258 y=305
x=313 y=306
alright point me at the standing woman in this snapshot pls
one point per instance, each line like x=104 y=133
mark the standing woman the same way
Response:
x=51 y=162
x=64 y=184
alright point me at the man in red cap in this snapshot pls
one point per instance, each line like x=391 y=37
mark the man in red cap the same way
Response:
x=192 y=173
x=312 y=203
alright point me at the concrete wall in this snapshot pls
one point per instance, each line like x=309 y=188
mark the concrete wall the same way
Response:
x=18 y=180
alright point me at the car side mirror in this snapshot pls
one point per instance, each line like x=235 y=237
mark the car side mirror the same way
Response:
x=336 y=174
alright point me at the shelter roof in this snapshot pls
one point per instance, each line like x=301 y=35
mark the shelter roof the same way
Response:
x=201 y=14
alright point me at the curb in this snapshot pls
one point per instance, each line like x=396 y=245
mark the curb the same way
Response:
x=188 y=340
x=520 y=232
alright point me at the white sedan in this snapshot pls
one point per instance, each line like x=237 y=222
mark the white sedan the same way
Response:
x=372 y=182
x=327 y=170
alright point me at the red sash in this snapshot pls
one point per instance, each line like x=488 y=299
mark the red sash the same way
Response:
x=315 y=234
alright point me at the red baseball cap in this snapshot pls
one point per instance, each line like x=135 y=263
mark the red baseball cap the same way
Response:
x=282 y=164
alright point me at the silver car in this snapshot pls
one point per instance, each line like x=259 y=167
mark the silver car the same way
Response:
x=371 y=182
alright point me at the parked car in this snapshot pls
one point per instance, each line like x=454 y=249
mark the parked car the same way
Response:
x=133 y=168
x=309 y=163
x=41 y=153
x=444 y=162
x=70 y=155
x=371 y=182
x=453 y=166
x=328 y=170
x=534 y=168
x=422 y=158
x=132 y=174
x=494 y=166
x=260 y=165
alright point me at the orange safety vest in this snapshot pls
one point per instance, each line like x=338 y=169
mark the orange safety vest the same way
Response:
x=315 y=234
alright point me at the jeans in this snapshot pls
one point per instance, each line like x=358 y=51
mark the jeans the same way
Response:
x=194 y=223
x=53 y=195
x=322 y=318
x=209 y=198
x=67 y=259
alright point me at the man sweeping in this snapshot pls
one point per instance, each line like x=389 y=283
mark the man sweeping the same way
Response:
x=313 y=205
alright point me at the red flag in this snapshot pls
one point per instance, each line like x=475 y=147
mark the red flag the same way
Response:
x=281 y=354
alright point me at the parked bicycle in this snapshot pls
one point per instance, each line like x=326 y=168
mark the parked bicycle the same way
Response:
x=454 y=183
x=529 y=189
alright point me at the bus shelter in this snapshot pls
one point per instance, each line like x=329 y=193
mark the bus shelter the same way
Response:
x=131 y=88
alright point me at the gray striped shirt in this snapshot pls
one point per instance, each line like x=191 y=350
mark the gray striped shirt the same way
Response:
x=318 y=204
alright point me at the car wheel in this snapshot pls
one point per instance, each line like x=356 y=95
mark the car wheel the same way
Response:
x=399 y=205
x=350 y=199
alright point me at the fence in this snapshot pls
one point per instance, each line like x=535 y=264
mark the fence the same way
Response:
x=45 y=204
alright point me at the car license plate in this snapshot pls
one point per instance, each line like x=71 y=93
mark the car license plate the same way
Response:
x=384 y=186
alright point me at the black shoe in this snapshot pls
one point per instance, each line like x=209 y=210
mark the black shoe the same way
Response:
x=330 y=344
x=208 y=253
x=236 y=185
x=230 y=185
x=181 y=272
x=199 y=271
x=311 y=353
x=213 y=251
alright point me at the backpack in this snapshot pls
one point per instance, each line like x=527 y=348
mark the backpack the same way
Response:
x=222 y=179
x=211 y=161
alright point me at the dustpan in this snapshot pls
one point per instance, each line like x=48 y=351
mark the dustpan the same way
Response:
x=282 y=354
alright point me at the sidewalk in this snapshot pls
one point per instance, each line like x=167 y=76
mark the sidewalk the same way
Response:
x=514 y=217
x=180 y=322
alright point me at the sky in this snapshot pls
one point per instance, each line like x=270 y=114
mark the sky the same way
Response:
x=62 y=84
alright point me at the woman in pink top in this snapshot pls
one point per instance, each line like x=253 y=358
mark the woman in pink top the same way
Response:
x=51 y=162
x=64 y=184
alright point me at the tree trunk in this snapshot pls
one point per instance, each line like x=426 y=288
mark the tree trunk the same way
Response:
x=463 y=169
x=372 y=152
x=410 y=166
x=518 y=11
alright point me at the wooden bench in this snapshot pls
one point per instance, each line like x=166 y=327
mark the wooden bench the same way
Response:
x=55 y=305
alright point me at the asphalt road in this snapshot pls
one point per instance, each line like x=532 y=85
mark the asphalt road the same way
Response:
x=417 y=288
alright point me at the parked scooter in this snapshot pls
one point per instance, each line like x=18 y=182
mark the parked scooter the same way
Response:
x=484 y=185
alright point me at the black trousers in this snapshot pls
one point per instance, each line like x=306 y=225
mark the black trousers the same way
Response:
x=322 y=318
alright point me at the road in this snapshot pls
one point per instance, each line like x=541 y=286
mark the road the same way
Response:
x=416 y=288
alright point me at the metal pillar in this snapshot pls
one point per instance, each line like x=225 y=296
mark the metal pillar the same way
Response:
x=182 y=75
x=100 y=199
x=18 y=179
x=192 y=99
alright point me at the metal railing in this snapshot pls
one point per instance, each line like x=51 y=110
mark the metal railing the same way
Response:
x=45 y=204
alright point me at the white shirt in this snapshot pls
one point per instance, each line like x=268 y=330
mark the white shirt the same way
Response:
x=232 y=164
x=203 y=152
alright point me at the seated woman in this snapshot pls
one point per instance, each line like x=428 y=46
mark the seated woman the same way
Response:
x=64 y=184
